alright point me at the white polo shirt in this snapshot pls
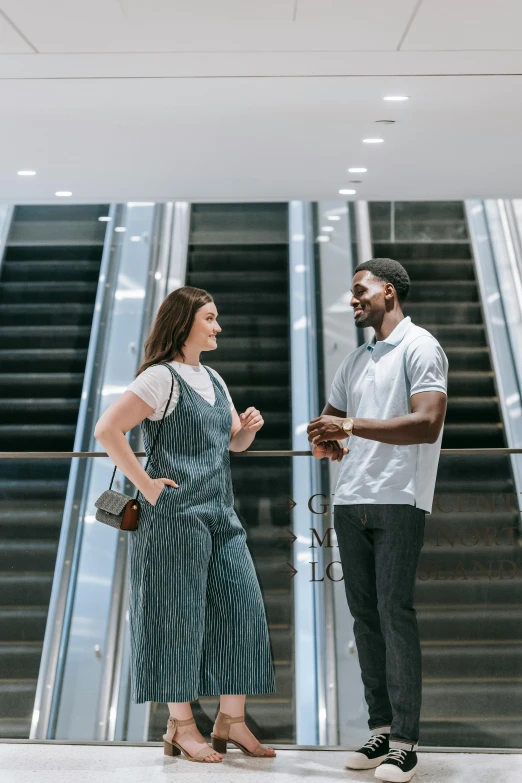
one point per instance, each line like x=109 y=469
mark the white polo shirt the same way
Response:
x=376 y=381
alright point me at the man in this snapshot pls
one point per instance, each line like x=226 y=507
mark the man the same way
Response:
x=393 y=389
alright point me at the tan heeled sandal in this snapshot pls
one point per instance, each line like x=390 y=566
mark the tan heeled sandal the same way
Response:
x=220 y=738
x=173 y=748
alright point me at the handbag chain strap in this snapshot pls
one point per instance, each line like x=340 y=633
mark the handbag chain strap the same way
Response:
x=158 y=432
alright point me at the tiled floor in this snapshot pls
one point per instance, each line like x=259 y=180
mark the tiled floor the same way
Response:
x=55 y=763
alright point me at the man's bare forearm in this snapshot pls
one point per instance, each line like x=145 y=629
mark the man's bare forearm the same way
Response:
x=398 y=431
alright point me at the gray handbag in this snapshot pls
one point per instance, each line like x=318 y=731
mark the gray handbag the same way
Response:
x=122 y=511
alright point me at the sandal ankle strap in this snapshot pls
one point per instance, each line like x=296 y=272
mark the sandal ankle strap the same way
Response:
x=175 y=722
x=229 y=719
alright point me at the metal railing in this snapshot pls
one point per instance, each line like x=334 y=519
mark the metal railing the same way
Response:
x=234 y=454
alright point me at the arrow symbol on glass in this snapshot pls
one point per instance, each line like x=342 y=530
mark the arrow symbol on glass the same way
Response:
x=290 y=538
x=290 y=504
x=292 y=569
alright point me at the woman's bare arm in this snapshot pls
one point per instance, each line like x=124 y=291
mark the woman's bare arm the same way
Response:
x=244 y=428
x=125 y=413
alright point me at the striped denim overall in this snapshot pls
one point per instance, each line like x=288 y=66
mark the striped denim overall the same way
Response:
x=197 y=619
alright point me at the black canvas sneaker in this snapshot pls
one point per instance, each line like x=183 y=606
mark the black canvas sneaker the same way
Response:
x=370 y=755
x=399 y=766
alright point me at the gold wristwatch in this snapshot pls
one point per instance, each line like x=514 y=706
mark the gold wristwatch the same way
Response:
x=348 y=426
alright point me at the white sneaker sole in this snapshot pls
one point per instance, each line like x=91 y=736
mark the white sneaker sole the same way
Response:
x=360 y=761
x=393 y=774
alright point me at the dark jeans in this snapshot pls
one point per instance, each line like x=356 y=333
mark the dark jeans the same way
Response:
x=379 y=547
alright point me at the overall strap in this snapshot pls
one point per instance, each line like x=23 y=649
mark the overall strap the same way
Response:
x=213 y=378
x=159 y=428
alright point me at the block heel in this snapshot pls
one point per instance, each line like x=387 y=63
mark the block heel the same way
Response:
x=219 y=745
x=173 y=748
x=170 y=750
x=222 y=726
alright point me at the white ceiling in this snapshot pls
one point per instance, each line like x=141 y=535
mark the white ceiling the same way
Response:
x=259 y=100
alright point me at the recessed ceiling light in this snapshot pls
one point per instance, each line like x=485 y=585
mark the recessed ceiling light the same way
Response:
x=27 y=173
x=63 y=193
x=334 y=217
x=347 y=192
x=373 y=141
x=327 y=228
x=120 y=229
x=322 y=238
x=396 y=98
x=358 y=170
x=135 y=239
x=104 y=219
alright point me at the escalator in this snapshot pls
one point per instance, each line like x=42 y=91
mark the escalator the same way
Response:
x=239 y=253
x=48 y=285
x=469 y=588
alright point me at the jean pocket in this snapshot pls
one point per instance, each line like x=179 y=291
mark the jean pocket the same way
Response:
x=161 y=496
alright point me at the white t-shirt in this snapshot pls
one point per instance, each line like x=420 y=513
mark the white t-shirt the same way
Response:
x=153 y=386
x=376 y=381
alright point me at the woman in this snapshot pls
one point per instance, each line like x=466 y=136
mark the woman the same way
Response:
x=197 y=619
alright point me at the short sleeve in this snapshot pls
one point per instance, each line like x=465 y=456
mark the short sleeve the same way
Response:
x=338 y=398
x=153 y=386
x=225 y=387
x=427 y=366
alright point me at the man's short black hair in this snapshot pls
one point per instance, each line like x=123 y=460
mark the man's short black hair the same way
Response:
x=389 y=271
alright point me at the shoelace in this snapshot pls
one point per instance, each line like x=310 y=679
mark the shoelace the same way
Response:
x=397 y=754
x=375 y=741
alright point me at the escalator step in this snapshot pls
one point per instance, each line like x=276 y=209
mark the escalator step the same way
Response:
x=48 y=384
x=37 y=437
x=460 y=700
x=22 y=624
x=253 y=372
x=20 y=661
x=273 y=303
x=476 y=435
x=237 y=258
x=245 y=348
x=260 y=282
x=476 y=409
x=432 y=251
x=462 y=625
x=465 y=383
x=465 y=334
x=17 y=337
x=439 y=312
x=24 y=589
x=48 y=291
x=59 y=410
x=46 y=313
x=48 y=270
x=462 y=358
x=44 y=359
x=444 y=270
x=429 y=291
x=17 y=698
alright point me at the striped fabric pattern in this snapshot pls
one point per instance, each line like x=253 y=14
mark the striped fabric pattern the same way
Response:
x=197 y=619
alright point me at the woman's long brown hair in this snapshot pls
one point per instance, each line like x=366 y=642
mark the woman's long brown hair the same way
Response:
x=173 y=324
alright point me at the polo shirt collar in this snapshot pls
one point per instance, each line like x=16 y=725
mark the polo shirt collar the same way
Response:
x=395 y=337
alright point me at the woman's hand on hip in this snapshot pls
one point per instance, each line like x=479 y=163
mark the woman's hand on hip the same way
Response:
x=251 y=420
x=155 y=488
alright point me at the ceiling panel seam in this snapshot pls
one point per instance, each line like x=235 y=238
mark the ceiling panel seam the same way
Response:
x=408 y=26
x=18 y=31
